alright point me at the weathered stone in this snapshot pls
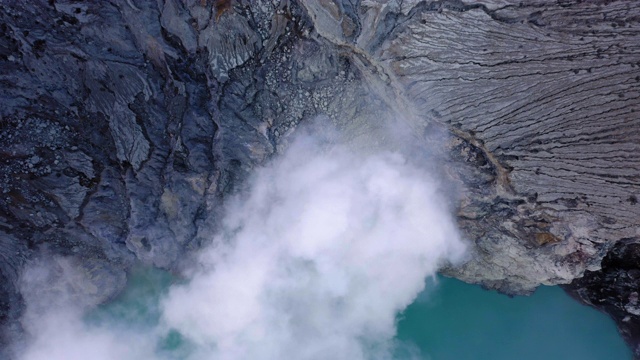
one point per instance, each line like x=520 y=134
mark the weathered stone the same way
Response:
x=614 y=289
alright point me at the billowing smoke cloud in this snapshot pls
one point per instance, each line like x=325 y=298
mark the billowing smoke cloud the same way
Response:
x=58 y=293
x=315 y=261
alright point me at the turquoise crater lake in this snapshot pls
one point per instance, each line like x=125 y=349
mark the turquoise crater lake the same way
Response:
x=458 y=321
x=450 y=321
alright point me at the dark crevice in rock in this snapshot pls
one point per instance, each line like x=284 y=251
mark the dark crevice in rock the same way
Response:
x=614 y=289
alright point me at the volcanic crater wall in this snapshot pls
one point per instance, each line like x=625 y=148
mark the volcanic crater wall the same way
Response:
x=125 y=123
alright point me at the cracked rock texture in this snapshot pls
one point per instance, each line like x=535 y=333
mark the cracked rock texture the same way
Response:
x=124 y=124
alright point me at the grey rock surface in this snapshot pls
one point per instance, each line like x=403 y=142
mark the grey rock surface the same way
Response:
x=125 y=123
x=546 y=94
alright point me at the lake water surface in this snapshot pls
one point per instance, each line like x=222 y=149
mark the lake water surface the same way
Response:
x=451 y=321
x=458 y=321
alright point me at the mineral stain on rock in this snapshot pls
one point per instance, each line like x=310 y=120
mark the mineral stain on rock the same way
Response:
x=546 y=238
x=221 y=6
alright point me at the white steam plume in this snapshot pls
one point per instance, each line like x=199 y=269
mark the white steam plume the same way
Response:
x=315 y=261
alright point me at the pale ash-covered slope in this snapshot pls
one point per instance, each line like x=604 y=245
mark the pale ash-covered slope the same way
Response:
x=543 y=97
x=551 y=92
x=548 y=91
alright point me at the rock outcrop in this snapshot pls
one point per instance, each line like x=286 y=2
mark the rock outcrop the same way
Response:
x=614 y=289
x=125 y=123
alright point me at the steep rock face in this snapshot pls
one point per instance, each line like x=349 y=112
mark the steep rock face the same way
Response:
x=543 y=99
x=614 y=289
x=546 y=92
x=125 y=123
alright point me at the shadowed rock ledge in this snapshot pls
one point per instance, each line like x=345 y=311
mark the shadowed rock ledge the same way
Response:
x=125 y=123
